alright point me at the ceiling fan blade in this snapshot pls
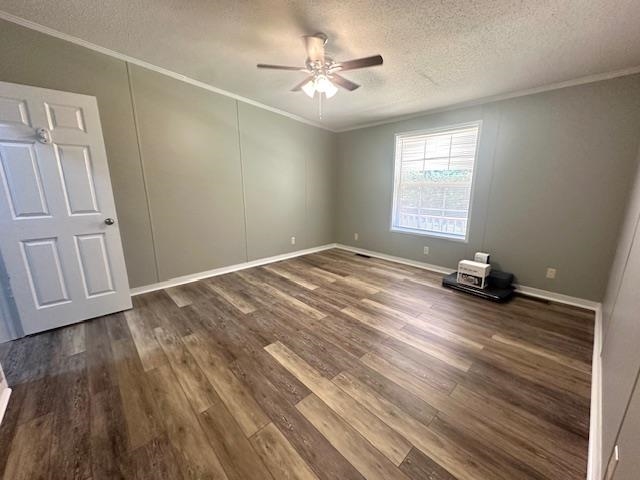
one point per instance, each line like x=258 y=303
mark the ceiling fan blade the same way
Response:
x=360 y=63
x=315 y=46
x=299 y=86
x=344 y=83
x=281 y=67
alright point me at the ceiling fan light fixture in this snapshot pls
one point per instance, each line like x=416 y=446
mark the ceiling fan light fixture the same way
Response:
x=309 y=88
x=322 y=84
x=329 y=88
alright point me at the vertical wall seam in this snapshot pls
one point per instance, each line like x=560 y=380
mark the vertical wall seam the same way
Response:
x=491 y=181
x=307 y=232
x=144 y=175
x=244 y=192
x=624 y=271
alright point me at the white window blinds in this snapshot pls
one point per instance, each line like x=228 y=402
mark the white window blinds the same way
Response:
x=433 y=181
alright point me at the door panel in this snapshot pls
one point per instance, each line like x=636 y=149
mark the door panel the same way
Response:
x=14 y=111
x=65 y=264
x=42 y=263
x=94 y=261
x=77 y=178
x=65 y=116
x=22 y=180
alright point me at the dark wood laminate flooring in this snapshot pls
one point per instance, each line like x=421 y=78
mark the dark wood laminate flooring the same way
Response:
x=330 y=366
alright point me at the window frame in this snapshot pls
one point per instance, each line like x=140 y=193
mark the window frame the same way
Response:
x=396 y=181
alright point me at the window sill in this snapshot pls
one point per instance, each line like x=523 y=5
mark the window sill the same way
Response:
x=423 y=233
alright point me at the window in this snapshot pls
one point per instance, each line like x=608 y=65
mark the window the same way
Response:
x=434 y=181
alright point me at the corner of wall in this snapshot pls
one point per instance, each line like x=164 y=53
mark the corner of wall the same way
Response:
x=595 y=460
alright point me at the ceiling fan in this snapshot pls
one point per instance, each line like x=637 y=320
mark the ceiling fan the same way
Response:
x=323 y=72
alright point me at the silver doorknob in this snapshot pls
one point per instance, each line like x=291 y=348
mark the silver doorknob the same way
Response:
x=109 y=221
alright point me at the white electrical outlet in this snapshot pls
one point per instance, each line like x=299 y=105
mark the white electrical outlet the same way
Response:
x=293 y=240
x=356 y=236
x=426 y=250
x=551 y=273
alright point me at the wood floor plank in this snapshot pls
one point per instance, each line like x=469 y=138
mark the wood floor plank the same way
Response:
x=307 y=345
x=179 y=296
x=538 y=370
x=9 y=422
x=42 y=370
x=279 y=296
x=418 y=466
x=194 y=383
x=402 y=300
x=543 y=352
x=477 y=451
x=385 y=388
x=353 y=282
x=360 y=453
x=234 y=394
x=241 y=347
x=417 y=433
x=439 y=375
x=447 y=356
x=73 y=339
x=513 y=429
x=70 y=445
x=197 y=458
x=30 y=450
x=234 y=450
x=295 y=278
x=314 y=274
x=108 y=443
x=386 y=311
x=149 y=351
x=279 y=456
x=139 y=405
x=238 y=299
x=157 y=460
x=325 y=461
x=388 y=442
x=568 y=412
x=446 y=334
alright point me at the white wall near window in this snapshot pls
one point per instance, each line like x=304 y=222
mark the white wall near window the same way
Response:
x=433 y=181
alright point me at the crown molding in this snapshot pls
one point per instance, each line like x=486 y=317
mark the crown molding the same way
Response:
x=141 y=63
x=598 y=77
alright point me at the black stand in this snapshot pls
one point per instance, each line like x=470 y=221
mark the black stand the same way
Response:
x=492 y=293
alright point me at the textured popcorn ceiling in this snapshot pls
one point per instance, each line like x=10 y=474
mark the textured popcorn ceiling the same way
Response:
x=437 y=53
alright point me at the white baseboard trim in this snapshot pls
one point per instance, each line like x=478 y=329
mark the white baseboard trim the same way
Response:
x=594 y=467
x=392 y=258
x=4 y=402
x=522 y=289
x=558 y=297
x=173 y=282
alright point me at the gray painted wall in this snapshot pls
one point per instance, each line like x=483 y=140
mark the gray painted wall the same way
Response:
x=182 y=145
x=289 y=179
x=629 y=440
x=32 y=58
x=191 y=157
x=554 y=172
x=621 y=352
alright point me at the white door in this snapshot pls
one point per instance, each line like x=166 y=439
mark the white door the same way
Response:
x=59 y=237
